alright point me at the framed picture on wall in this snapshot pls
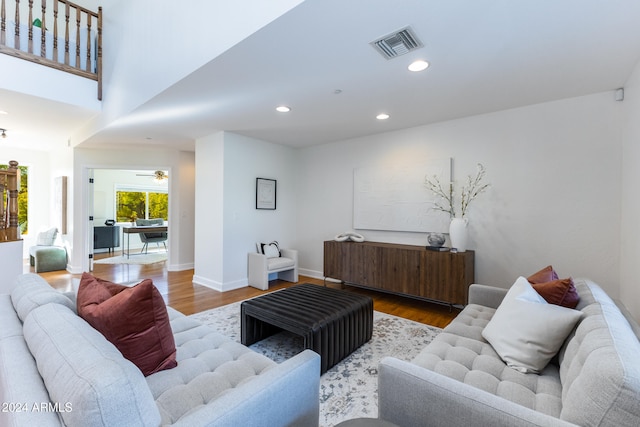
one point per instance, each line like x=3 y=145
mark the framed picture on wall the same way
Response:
x=265 y=193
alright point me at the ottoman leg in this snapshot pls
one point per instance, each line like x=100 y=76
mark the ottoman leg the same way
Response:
x=253 y=330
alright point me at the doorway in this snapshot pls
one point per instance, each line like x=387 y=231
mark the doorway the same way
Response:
x=122 y=200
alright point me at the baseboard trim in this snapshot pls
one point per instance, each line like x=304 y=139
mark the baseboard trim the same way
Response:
x=217 y=286
x=314 y=274
x=180 y=267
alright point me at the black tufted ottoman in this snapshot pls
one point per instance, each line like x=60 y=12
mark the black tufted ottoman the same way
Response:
x=332 y=322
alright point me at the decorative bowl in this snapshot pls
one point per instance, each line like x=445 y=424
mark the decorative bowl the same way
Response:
x=436 y=239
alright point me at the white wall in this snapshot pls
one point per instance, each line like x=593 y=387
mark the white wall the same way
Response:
x=49 y=83
x=143 y=34
x=555 y=195
x=245 y=160
x=209 y=218
x=630 y=245
x=181 y=190
x=227 y=221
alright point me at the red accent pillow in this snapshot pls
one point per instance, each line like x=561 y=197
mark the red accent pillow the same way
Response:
x=547 y=274
x=559 y=292
x=134 y=319
x=554 y=291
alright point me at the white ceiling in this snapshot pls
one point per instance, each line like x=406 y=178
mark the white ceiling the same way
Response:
x=485 y=55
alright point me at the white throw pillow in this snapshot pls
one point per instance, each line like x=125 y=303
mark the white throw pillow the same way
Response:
x=46 y=238
x=271 y=250
x=526 y=331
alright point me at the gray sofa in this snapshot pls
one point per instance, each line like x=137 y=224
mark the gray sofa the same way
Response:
x=56 y=370
x=459 y=380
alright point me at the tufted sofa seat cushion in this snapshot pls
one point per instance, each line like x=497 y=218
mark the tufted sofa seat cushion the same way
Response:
x=460 y=352
x=209 y=365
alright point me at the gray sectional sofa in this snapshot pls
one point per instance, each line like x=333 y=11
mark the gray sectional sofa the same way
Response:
x=459 y=380
x=56 y=370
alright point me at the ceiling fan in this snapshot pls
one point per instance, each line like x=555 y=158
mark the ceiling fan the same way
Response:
x=158 y=176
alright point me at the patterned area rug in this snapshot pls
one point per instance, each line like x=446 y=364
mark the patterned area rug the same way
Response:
x=137 y=259
x=349 y=389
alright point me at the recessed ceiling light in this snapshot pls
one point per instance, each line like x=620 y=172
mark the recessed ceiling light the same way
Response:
x=283 y=109
x=382 y=116
x=3 y=112
x=418 y=65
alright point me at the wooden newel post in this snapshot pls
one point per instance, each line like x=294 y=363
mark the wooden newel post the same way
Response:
x=9 y=185
x=13 y=186
x=3 y=216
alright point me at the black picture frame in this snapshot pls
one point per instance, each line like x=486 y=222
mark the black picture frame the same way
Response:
x=266 y=190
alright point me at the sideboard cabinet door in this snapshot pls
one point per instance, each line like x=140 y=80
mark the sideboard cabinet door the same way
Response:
x=447 y=276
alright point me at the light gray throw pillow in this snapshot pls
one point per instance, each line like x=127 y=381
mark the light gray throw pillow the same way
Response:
x=526 y=331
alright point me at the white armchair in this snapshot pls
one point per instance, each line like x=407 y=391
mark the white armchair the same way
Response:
x=260 y=266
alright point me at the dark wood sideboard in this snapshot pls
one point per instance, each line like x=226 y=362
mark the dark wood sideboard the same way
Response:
x=401 y=269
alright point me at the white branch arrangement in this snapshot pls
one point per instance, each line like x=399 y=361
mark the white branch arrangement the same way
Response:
x=446 y=198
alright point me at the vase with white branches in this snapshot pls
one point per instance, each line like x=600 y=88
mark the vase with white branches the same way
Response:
x=446 y=202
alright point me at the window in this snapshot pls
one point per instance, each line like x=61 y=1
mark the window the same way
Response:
x=23 y=199
x=147 y=203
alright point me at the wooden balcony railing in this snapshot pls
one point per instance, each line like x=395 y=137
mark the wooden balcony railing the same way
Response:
x=74 y=47
x=9 y=187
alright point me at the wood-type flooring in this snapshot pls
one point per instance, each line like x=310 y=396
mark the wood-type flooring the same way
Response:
x=182 y=294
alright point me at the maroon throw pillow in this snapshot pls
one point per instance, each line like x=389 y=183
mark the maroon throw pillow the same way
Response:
x=560 y=292
x=134 y=319
x=545 y=275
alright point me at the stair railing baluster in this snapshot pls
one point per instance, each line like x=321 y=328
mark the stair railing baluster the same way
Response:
x=77 y=38
x=55 y=30
x=17 y=30
x=43 y=31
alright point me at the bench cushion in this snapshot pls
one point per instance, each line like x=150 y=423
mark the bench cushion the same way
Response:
x=279 y=263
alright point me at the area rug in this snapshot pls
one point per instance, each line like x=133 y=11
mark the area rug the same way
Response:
x=137 y=259
x=349 y=389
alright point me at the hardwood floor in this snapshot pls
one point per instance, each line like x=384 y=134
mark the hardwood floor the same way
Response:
x=182 y=294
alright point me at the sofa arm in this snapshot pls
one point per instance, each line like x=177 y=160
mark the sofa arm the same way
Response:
x=409 y=395
x=286 y=395
x=488 y=296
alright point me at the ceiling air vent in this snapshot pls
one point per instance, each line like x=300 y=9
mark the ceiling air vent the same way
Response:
x=397 y=43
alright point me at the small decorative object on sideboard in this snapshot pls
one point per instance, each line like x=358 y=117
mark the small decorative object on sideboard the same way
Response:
x=436 y=240
x=349 y=236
